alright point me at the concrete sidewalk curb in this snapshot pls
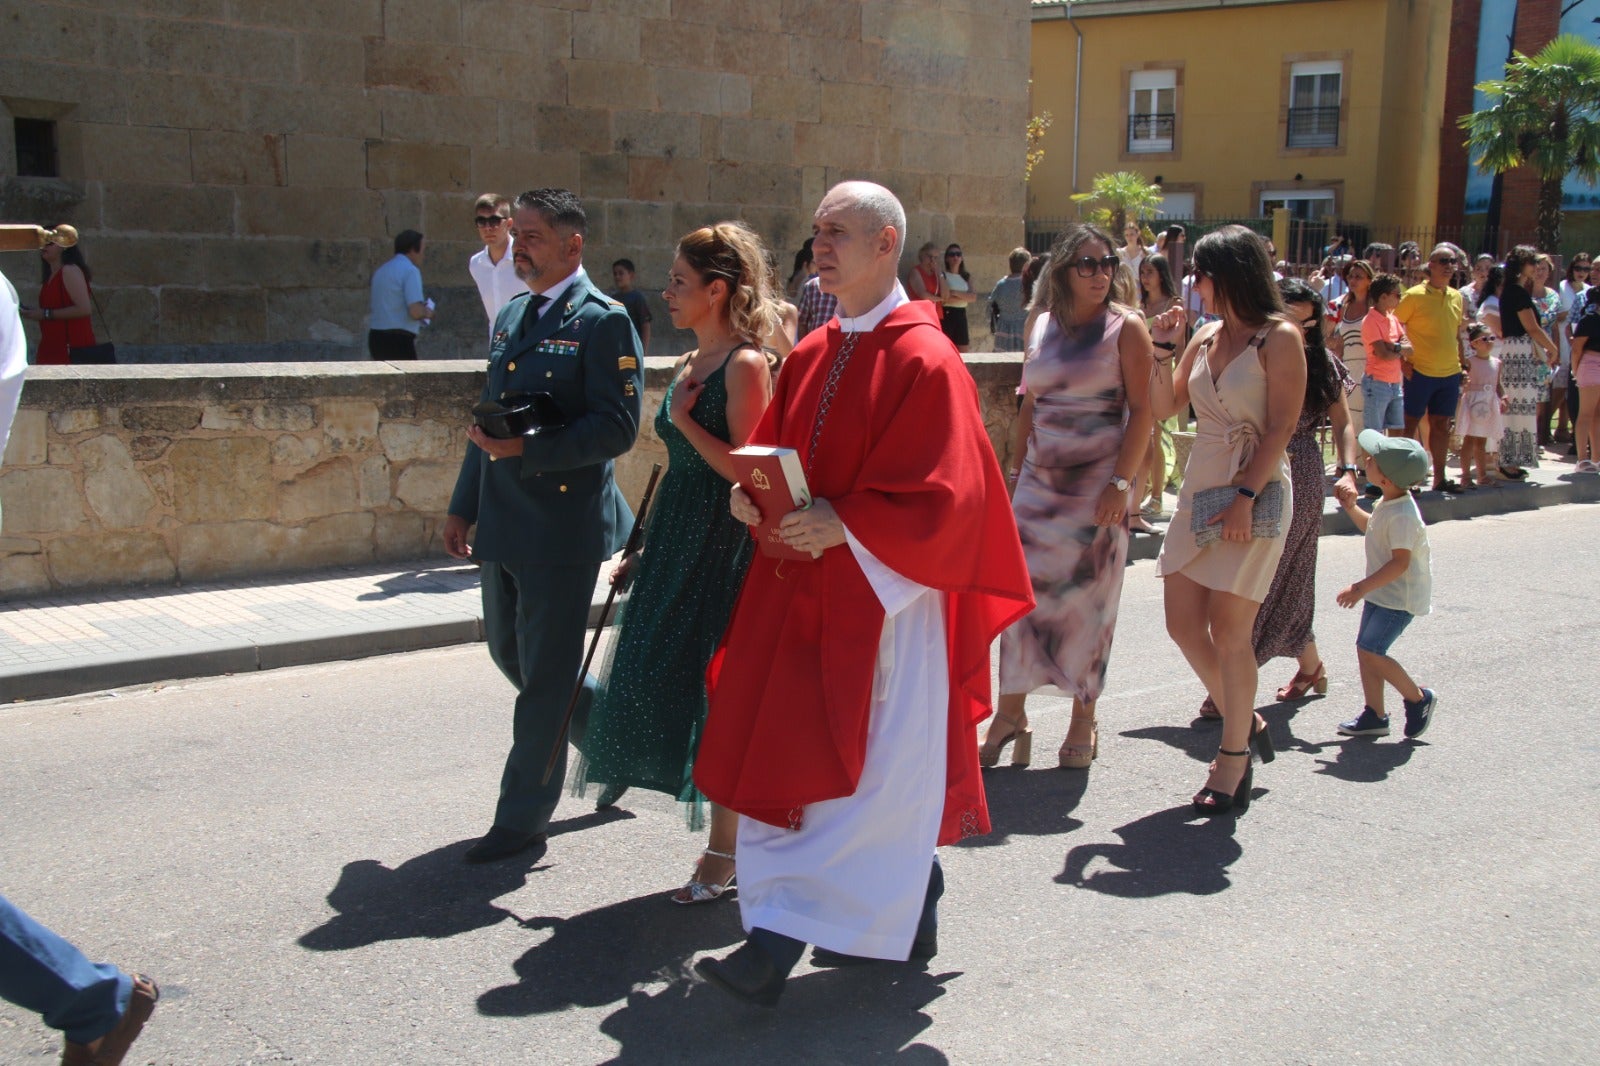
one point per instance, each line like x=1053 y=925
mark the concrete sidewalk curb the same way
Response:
x=240 y=657
x=73 y=678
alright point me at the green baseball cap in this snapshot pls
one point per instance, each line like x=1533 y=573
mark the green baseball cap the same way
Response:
x=1401 y=459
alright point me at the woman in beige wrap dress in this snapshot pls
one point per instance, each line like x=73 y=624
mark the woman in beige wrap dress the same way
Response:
x=1246 y=378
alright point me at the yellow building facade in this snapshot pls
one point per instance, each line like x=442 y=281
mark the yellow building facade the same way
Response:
x=1329 y=108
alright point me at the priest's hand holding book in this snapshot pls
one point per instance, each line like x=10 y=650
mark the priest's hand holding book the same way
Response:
x=812 y=529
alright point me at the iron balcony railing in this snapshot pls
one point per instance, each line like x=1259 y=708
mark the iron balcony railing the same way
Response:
x=1313 y=127
x=1150 y=133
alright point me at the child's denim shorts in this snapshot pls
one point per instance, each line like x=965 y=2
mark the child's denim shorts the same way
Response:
x=1380 y=627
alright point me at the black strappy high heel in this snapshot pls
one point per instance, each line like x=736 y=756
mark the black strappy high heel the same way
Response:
x=1209 y=801
x=1261 y=737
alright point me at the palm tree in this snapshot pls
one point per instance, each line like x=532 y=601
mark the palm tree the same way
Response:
x=1123 y=193
x=1544 y=114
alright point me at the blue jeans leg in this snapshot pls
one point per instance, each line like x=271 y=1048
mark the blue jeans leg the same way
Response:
x=1381 y=406
x=41 y=972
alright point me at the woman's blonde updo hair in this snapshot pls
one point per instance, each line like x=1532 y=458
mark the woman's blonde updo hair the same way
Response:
x=732 y=252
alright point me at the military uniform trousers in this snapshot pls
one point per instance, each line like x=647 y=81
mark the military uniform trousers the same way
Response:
x=534 y=619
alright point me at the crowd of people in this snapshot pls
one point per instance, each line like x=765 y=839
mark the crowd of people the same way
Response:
x=1478 y=356
x=825 y=708
x=823 y=703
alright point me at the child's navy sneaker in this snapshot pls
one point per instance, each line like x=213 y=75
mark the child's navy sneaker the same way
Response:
x=1419 y=714
x=1369 y=723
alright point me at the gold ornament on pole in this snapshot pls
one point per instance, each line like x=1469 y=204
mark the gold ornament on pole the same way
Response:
x=14 y=238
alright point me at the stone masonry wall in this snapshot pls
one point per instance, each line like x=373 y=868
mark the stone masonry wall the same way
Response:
x=157 y=474
x=239 y=167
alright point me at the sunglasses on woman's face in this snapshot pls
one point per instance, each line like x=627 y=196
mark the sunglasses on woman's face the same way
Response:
x=1089 y=266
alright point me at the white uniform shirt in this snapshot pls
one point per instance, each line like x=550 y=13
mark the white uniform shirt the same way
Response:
x=13 y=358
x=497 y=282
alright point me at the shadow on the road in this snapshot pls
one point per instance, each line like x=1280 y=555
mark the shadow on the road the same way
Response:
x=1025 y=802
x=1171 y=851
x=434 y=895
x=589 y=821
x=859 y=1015
x=1197 y=742
x=1364 y=760
x=443 y=579
x=597 y=957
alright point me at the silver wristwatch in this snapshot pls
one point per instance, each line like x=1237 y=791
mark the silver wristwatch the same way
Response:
x=1122 y=484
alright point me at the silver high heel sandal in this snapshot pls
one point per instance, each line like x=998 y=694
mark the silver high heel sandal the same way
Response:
x=697 y=891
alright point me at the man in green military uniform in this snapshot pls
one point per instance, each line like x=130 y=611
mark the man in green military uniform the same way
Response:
x=546 y=507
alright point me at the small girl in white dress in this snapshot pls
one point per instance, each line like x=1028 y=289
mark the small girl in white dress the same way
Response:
x=1483 y=400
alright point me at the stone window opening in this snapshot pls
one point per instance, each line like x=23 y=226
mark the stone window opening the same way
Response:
x=37 y=150
x=1315 y=91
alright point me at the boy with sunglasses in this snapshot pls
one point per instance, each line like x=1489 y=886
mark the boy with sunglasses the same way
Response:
x=492 y=268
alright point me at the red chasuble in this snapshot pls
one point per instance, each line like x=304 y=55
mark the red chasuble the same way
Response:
x=905 y=461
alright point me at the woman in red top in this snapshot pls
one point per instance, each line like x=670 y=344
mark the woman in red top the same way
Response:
x=63 y=311
x=926 y=280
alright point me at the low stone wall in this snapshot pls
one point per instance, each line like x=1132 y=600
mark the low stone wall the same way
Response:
x=162 y=474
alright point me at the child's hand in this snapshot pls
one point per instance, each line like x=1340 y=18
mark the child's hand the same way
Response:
x=1505 y=404
x=1351 y=596
x=1346 y=494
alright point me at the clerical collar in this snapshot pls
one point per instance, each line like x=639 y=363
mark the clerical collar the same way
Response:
x=555 y=290
x=868 y=322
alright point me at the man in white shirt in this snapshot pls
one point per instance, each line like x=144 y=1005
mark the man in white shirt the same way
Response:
x=492 y=267
x=13 y=358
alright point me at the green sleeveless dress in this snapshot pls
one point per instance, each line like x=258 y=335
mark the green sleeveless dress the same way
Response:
x=650 y=706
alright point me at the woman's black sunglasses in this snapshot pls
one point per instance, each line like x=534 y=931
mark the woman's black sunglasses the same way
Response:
x=1089 y=266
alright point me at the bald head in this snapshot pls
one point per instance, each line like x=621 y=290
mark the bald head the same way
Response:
x=878 y=207
x=858 y=234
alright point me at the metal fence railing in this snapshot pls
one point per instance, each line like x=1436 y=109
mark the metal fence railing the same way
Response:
x=1309 y=241
x=1151 y=133
x=1313 y=127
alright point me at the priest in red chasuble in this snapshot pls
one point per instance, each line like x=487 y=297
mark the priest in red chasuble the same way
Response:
x=846 y=693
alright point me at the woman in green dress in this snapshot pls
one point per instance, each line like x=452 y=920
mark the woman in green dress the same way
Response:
x=650 y=706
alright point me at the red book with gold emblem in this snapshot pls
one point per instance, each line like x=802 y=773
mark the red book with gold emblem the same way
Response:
x=774 y=480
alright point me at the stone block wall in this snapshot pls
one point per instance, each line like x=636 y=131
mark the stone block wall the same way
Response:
x=162 y=474
x=239 y=168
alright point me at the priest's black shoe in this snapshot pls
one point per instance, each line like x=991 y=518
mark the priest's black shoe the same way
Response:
x=748 y=972
x=502 y=843
x=922 y=949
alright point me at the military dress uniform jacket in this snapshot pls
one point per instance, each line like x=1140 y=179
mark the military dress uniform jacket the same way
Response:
x=558 y=503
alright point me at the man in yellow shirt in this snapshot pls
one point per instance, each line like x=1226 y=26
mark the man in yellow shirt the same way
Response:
x=1432 y=315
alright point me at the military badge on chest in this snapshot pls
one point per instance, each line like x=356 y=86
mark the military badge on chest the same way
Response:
x=557 y=346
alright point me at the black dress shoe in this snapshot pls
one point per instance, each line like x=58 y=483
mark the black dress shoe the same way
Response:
x=609 y=797
x=747 y=973
x=921 y=951
x=501 y=843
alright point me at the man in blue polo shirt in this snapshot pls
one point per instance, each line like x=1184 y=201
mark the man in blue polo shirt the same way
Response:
x=398 y=306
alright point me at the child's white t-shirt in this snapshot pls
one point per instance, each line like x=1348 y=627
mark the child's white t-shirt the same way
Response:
x=1396 y=525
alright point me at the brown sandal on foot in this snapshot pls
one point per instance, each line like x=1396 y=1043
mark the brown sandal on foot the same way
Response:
x=1073 y=756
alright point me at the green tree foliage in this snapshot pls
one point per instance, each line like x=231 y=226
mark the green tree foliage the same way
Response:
x=1544 y=114
x=1119 y=195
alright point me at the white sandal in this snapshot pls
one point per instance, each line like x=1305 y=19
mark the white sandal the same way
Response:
x=698 y=891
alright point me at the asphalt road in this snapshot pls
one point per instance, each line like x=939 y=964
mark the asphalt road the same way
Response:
x=282 y=851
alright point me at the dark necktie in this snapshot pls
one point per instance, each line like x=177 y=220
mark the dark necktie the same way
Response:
x=536 y=302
